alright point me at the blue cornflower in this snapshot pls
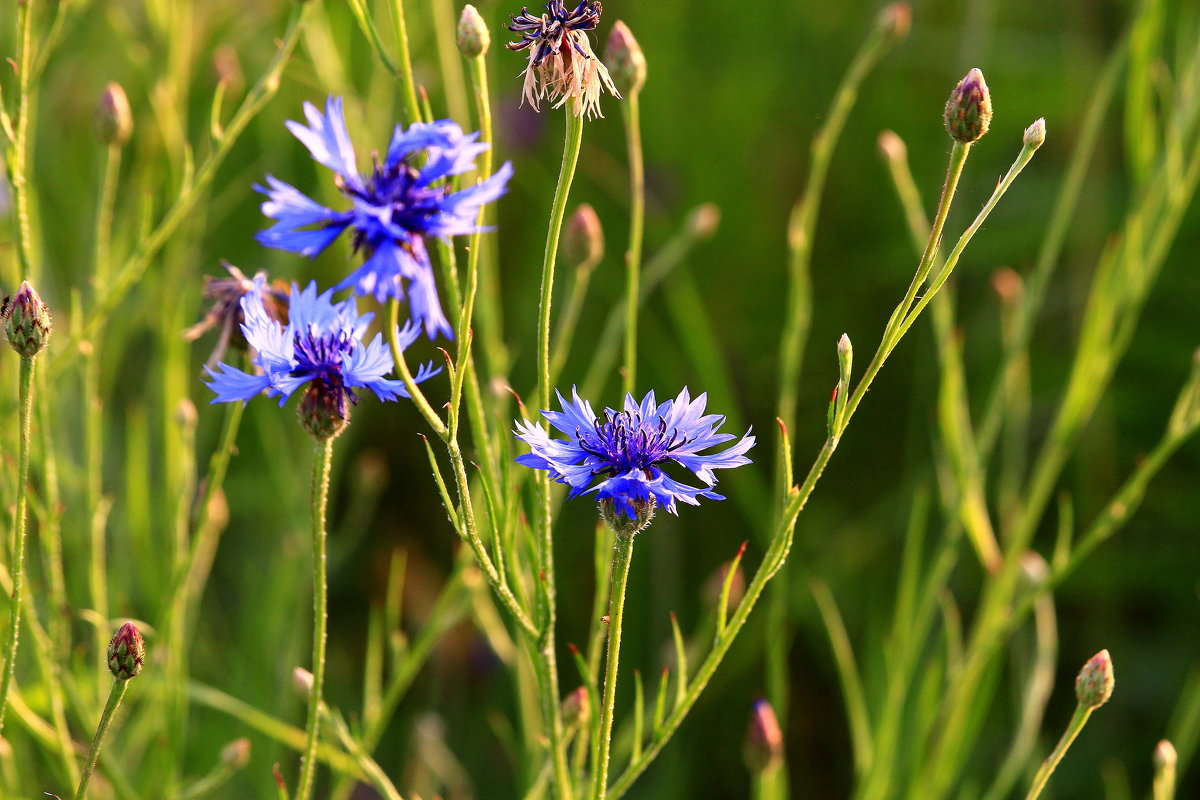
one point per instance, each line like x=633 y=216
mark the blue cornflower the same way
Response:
x=627 y=449
x=405 y=199
x=322 y=346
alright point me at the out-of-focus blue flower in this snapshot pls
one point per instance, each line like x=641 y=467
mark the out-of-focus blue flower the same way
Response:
x=405 y=199
x=321 y=343
x=627 y=450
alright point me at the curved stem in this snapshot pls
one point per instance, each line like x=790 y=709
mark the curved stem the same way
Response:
x=637 y=219
x=622 y=555
x=115 y=695
x=17 y=541
x=322 y=459
x=1078 y=720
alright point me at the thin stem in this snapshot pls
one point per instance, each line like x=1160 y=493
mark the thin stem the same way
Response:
x=115 y=695
x=1078 y=720
x=622 y=555
x=408 y=88
x=19 y=161
x=637 y=218
x=322 y=459
x=17 y=540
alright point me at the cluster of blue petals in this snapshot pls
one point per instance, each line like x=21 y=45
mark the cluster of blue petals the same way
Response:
x=626 y=449
x=405 y=199
x=322 y=341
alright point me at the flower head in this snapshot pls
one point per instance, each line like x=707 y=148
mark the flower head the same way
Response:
x=969 y=109
x=561 y=62
x=26 y=321
x=126 y=652
x=321 y=345
x=627 y=450
x=405 y=199
x=226 y=295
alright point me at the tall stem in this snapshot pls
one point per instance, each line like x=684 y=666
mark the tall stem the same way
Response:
x=408 y=86
x=637 y=219
x=17 y=541
x=1078 y=720
x=622 y=555
x=322 y=458
x=115 y=695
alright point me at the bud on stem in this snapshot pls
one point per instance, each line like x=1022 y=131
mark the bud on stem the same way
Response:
x=625 y=60
x=474 y=38
x=969 y=109
x=27 y=323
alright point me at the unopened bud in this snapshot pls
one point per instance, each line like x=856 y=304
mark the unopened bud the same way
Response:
x=969 y=109
x=228 y=69
x=583 y=241
x=1035 y=134
x=474 y=38
x=323 y=411
x=27 y=322
x=763 y=748
x=185 y=414
x=577 y=708
x=1094 y=685
x=126 y=652
x=1034 y=569
x=621 y=523
x=302 y=682
x=716 y=582
x=1165 y=756
x=625 y=61
x=704 y=220
x=114 y=119
x=236 y=754
x=1007 y=285
x=892 y=146
x=895 y=19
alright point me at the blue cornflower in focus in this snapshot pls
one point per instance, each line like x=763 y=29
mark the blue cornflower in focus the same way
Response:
x=322 y=346
x=405 y=199
x=627 y=450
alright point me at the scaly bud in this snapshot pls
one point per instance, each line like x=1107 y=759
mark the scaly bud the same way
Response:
x=474 y=38
x=1094 y=685
x=969 y=109
x=323 y=411
x=626 y=62
x=577 y=708
x=114 y=119
x=236 y=754
x=126 y=652
x=622 y=525
x=895 y=19
x=1035 y=134
x=763 y=748
x=583 y=241
x=26 y=321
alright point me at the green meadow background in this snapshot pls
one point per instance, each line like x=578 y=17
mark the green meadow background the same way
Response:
x=734 y=95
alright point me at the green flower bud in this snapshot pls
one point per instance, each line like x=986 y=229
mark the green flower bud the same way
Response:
x=322 y=411
x=27 y=323
x=1094 y=685
x=236 y=754
x=583 y=241
x=763 y=747
x=126 y=652
x=577 y=707
x=622 y=525
x=625 y=61
x=114 y=119
x=969 y=109
x=1035 y=134
x=474 y=38
x=895 y=19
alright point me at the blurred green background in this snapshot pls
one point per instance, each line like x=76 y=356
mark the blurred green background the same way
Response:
x=735 y=92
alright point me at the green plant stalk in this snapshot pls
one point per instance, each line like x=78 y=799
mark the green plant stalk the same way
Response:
x=408 y=87
x=322 y=461
x=19 y=160
x=1078 y=720
x=546 y=594
x=454 y=88
x=115 y=695
x=637 y=220
x=134 y=268
x=17 y=539
x=622 y=555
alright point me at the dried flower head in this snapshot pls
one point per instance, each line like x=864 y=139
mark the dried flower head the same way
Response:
x=561 y=63
x=226 y=295
x=126 y=652
x=628 y=449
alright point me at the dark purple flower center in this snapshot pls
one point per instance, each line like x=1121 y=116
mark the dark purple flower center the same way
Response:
x=320 y=354
x=409 y=205
x=549 y=31
x=624 y=441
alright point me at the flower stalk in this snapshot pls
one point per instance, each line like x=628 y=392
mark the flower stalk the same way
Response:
x=17 y=540
x=622 y=556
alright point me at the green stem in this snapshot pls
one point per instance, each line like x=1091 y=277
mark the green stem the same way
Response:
x=408 y=88
x=622 y=555
x=19 y=162
x=17 y=540
x=115 y=695
x=637 y=219
x=1078 y=720
x=322 y=459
